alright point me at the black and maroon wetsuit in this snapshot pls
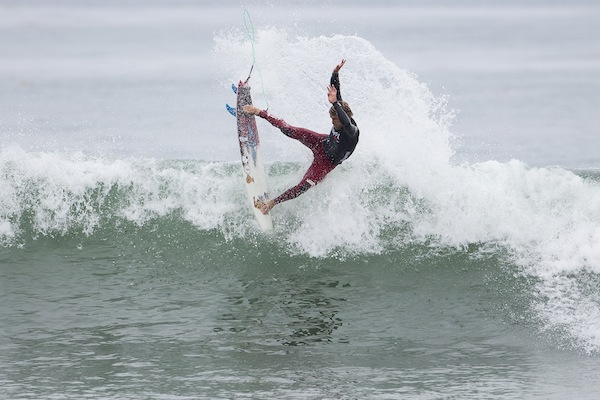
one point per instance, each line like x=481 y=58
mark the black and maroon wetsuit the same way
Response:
x=328 y=150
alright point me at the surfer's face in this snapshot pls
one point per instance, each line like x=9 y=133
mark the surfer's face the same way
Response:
x=337 y=125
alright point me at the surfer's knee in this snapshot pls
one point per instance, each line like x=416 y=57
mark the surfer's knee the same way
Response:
x=288 y=132
x=307 y=184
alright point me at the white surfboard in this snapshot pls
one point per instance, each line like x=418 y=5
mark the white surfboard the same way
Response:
x=255 y=178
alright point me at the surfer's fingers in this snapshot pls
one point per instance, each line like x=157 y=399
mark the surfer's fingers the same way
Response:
x=339 y=66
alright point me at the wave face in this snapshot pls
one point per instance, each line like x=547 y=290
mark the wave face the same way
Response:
x=539 y=219
x=399 y=190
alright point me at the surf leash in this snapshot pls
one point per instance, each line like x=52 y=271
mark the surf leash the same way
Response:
x=250 y=32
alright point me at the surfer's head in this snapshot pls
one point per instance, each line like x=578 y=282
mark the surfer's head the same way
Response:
x=334 y=117
x=344 y=105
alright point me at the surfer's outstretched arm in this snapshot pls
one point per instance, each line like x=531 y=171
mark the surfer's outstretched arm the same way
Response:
x=335 y=79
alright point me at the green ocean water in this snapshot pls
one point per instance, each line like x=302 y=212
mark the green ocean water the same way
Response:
x=143 y=317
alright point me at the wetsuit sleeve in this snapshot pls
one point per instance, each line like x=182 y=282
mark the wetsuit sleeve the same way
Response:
x=349 y=128
x=335 y=81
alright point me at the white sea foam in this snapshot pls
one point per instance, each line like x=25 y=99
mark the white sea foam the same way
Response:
x=61 y=193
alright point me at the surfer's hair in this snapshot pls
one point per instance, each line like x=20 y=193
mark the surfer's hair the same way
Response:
x=345 y=107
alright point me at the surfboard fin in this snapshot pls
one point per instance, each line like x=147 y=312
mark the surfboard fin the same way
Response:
x=231 y=110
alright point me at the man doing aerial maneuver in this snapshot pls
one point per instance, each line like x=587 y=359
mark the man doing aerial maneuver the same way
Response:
x=328 y=150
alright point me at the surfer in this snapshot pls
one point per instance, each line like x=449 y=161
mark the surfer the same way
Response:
x=329 y=151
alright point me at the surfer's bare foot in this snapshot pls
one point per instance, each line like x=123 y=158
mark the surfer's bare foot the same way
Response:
x=250 y=109
x=264 y=207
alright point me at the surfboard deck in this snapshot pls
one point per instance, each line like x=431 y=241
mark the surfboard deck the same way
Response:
x=255 y=178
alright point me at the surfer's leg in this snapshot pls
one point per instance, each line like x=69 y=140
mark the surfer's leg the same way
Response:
x=309 y=180
x=317 y=171
x=306 y=183
x=310 y=139
x=293 y=192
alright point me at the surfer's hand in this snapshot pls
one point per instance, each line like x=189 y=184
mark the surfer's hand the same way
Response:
x=331 y=94
x=250 y=109
x=339 y=66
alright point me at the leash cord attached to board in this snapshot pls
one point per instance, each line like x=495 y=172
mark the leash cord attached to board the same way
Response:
x=250 y=31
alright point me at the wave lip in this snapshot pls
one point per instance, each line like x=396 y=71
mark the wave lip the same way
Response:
x=52 y=194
